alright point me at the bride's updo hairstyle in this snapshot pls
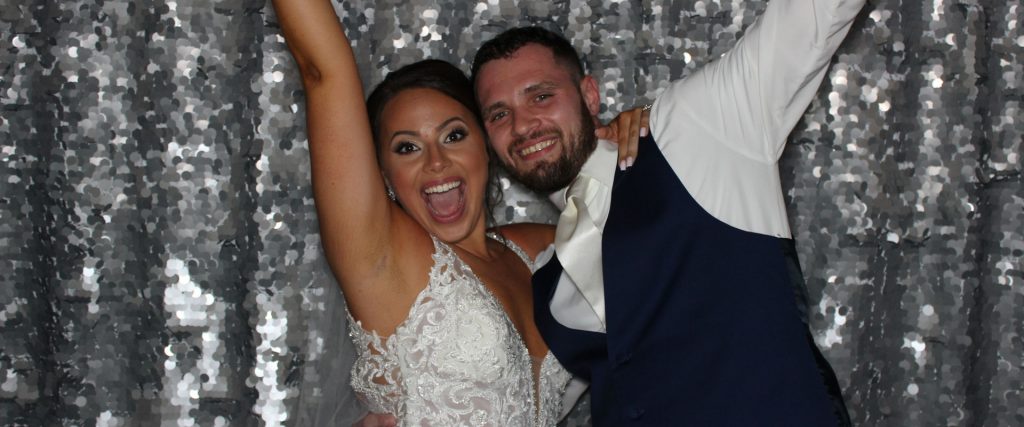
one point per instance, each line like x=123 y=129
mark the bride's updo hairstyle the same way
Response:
x=427 y=74
x=452 y=82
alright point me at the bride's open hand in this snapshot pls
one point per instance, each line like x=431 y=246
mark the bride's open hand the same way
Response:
x=626 y=129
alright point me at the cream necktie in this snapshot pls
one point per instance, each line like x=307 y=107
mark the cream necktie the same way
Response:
x=578 y=240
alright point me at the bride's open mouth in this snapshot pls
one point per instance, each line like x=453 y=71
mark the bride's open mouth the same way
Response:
x=446 y=199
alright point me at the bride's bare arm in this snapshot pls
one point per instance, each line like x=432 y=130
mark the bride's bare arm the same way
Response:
x=354 y=213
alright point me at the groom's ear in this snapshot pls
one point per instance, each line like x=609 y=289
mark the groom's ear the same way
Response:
x=591 y=95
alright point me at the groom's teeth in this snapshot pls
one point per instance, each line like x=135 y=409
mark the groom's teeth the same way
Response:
x=441 y=188
x=536 y=147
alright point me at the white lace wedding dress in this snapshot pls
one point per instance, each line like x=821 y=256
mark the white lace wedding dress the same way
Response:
x=456 y=359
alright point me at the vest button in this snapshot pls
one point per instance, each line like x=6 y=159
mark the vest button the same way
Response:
x=635 y=413
x=623 y=358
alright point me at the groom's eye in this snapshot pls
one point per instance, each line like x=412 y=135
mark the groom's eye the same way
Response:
x=498 y=116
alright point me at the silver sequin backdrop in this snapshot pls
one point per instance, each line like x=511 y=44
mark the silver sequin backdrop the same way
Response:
x=159 y=256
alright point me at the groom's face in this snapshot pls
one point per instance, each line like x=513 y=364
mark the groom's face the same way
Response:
x=540 y=120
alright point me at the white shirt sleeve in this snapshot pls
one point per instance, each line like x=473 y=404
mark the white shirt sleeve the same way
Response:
x=723 y=128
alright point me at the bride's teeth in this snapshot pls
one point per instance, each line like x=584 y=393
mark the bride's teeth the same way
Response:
x=441 y=188
x=536 y=147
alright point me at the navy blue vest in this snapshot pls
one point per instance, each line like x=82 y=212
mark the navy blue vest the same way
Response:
x=702 y=323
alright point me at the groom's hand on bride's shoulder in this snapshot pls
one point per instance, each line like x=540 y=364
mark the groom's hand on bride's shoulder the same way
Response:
x=377 y=420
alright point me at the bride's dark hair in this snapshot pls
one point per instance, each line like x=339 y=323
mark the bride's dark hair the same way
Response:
x=427 y=74
x=448 y=79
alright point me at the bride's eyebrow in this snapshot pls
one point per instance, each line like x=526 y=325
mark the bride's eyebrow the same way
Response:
x=448 y=122
x=439 y=127
x=398 y=133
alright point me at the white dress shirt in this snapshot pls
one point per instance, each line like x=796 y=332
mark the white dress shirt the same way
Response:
x=722 y=130
x=571 y=305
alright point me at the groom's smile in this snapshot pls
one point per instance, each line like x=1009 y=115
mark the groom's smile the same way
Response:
x=537 y=149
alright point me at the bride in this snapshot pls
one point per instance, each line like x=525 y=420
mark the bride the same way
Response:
x=442 y=308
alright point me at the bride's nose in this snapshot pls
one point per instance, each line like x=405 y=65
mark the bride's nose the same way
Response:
x=437 y=159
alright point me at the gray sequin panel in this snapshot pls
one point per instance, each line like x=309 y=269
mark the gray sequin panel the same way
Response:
x=159 y=256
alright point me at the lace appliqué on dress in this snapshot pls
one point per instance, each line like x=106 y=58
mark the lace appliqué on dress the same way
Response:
x=456 y=359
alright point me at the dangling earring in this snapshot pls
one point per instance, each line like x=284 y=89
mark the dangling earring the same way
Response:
x=391 y=193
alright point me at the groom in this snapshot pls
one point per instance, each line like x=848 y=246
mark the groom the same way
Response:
x=668 y=289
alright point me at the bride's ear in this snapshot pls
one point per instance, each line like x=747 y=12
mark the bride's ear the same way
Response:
x=388 y=189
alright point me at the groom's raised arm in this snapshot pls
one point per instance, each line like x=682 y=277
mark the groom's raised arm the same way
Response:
x=723 y=128
x=751 y=97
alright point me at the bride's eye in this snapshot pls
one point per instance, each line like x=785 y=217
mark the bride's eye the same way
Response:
x=405 y=148
x=456 y=135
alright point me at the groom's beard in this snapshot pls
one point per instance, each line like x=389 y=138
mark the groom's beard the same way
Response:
x=548 y=177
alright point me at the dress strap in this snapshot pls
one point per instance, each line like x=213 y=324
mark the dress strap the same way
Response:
x=514 y=247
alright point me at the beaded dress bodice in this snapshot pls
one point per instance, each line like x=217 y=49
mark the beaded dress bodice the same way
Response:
x=456 y=359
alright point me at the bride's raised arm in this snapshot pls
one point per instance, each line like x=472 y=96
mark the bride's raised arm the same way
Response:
x=354 y=212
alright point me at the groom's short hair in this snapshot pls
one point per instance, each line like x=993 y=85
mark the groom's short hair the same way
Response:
x=509 y=41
